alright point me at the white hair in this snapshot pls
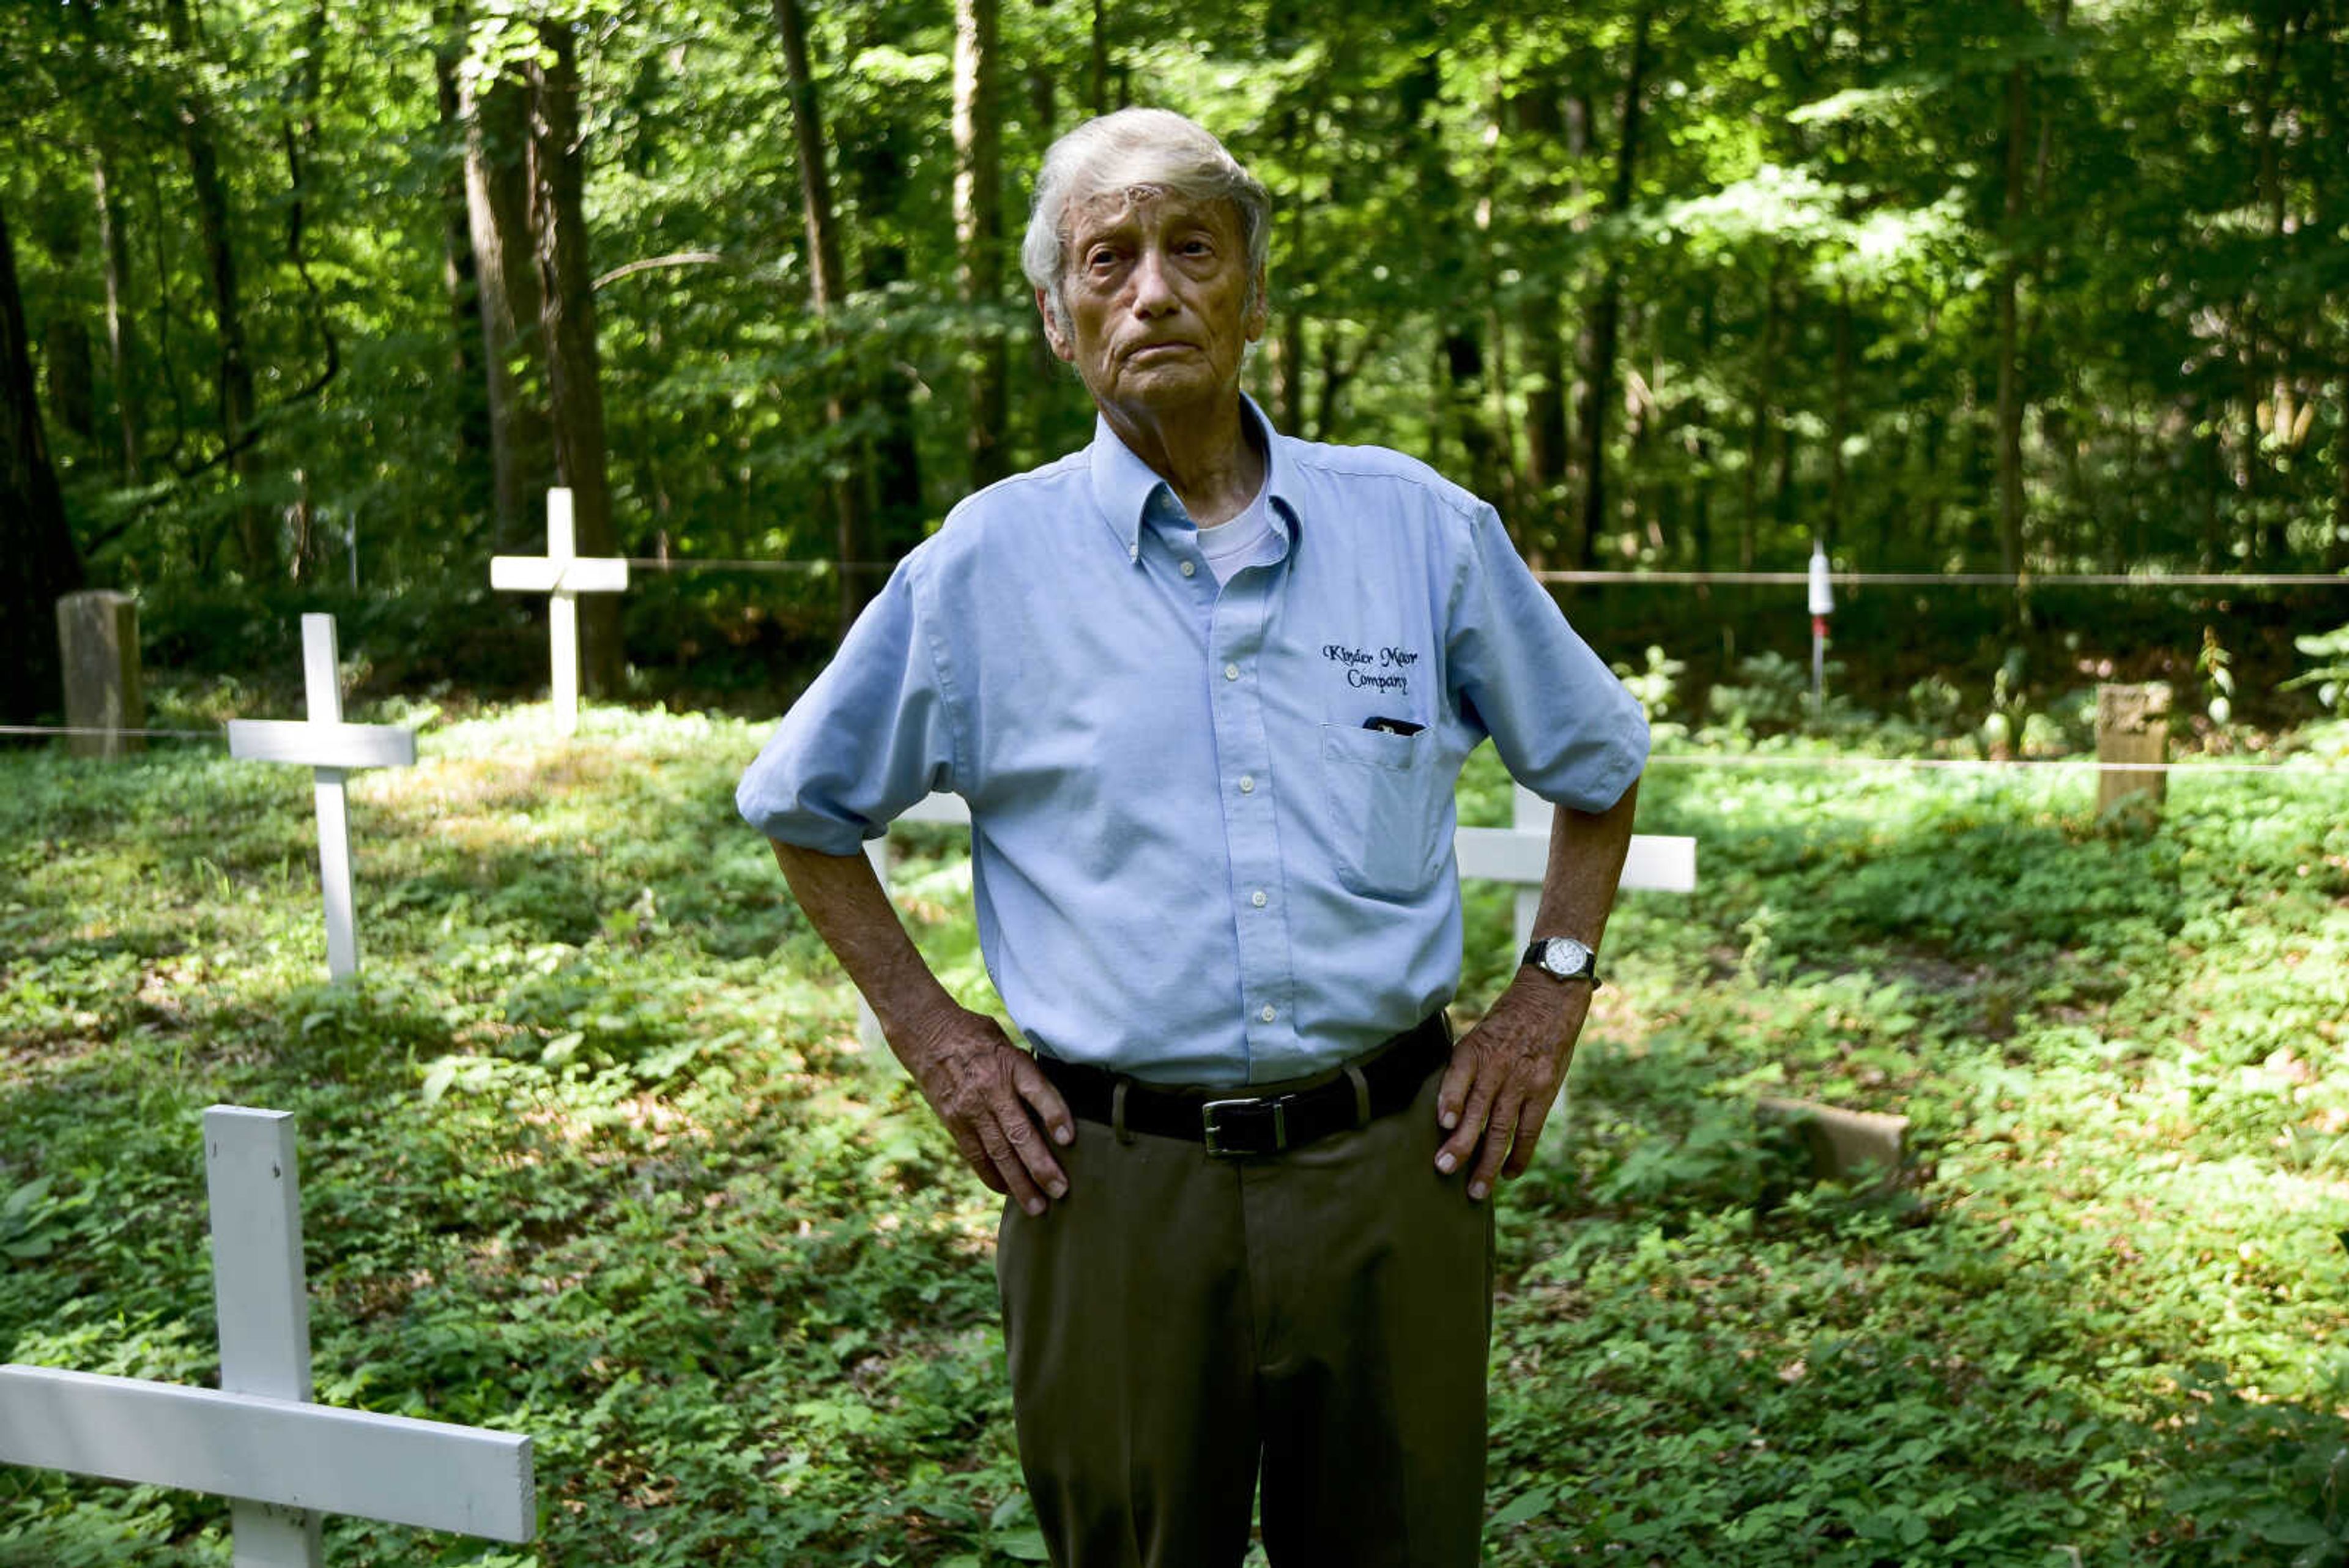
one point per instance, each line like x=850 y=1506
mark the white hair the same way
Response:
x=1137 y=147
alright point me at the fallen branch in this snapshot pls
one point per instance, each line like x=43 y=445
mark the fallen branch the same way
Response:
x=679 y=258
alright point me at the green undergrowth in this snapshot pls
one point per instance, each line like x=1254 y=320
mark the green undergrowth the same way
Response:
x=590 y=1152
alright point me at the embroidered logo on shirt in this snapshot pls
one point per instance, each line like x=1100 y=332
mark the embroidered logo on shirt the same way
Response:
x=1379 y=671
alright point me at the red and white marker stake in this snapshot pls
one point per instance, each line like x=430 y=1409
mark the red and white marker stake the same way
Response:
x=1822 y=606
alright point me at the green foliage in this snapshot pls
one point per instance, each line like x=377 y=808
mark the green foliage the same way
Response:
x=1801 y=248
x=2331 y=675
x=591 y=1152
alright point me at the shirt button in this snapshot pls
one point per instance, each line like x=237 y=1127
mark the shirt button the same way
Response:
x=1188 y=568
x=1267 y=1015
x=1247 y=783
x=1257 y=897
x=1231 y=672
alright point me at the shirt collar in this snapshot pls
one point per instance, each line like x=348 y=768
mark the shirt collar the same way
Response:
x=1129 y=492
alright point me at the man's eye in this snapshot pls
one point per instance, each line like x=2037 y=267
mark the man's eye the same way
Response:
x=1102 y=258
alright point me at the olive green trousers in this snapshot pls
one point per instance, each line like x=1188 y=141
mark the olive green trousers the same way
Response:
x=1179 y=1323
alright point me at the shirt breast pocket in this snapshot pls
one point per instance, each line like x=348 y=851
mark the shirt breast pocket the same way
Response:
x=1385 y=799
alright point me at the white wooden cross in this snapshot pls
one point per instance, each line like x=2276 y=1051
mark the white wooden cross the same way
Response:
x=1519 y=855
x=331 y=749
x=258 y=1440
x=563 y=574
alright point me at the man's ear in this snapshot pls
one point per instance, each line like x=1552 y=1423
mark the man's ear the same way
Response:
x=1053 y=333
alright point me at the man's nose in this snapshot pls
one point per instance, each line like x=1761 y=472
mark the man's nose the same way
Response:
x=1153 y=295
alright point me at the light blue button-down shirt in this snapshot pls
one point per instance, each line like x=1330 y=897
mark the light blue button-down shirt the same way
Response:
x=1191 y=861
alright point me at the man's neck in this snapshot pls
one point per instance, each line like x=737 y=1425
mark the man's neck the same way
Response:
x=1206 y=454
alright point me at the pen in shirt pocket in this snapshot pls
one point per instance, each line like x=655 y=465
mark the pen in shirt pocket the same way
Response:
x=1392 y=726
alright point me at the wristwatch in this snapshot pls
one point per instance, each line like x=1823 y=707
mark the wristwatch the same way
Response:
x=1563 y=958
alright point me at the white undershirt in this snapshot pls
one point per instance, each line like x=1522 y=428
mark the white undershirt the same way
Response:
x=1239 y=543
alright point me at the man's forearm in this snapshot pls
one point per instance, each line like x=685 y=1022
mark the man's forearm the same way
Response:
x=1586 y=851
x=850 y=911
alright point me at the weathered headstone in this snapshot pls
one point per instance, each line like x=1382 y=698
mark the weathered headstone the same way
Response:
x=98 y=635
x=331 y=749
x=259 y=1439
x=1844 y=1145
x=562 y=575
x=2133 y=731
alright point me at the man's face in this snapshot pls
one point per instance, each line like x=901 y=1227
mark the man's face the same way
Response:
x=1157 y=288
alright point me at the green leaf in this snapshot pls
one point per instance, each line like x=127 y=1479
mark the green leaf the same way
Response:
x=19 y=1201
x=439 y=1076
x=2290 y=1530
x=1025 y=1546
x=1528 y=1504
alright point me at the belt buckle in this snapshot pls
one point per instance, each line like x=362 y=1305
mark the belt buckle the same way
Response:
x=1216 y=1148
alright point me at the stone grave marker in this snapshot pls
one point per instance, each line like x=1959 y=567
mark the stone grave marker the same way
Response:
x=2133 y=731
x=98 y=637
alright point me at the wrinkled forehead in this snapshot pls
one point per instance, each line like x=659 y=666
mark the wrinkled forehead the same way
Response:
x=1144 y=201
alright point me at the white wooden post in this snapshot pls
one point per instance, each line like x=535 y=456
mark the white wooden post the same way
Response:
x=255 y=1195
x=259 y=1440
x=331 y=749
x=1518 y=854
x=562 y=573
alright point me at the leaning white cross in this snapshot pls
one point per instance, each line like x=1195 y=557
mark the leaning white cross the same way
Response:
x=562 y=573
x=259 y=1439
x=1519 y=855
x=331 y=749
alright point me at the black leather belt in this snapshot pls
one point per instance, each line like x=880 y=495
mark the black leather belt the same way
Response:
x=1231 y=1123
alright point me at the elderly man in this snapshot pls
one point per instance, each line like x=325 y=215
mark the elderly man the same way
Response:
x=1207 y=690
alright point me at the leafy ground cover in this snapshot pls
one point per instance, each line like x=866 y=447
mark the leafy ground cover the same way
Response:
x=591 y=1152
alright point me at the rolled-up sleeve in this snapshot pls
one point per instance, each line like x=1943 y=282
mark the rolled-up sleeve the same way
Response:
x=868 y=738
x=1566 y=728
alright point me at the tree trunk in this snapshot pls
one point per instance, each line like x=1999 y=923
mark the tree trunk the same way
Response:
x=979 y=232
x=474 y=481
x=114 y=251
x=1540 y=117
x=2010 y=348
x=1839 y=421
x=73 y=396
x=2336 y=552
x=256 y=541
x=1600 y=377
x=38 y=562
x=888 y=460
x=1096 y=63
x=853 y=533
x=568 y=322
x=1044 y=119
x=1757 y=438
x=498 y=205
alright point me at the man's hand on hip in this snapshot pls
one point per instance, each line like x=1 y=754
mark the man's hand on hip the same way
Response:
x=1504 y=1078
x=992 y=1096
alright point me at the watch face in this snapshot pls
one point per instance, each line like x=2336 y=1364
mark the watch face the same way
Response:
x=1565 y=957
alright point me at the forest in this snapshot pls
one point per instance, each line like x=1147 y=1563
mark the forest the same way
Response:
x=305 y=298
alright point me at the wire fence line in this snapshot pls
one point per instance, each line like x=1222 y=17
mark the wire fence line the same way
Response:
x=1764 y=761
x=1680 y=579
x=220 y=736
x=1995 y=764
x=1960 y=579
